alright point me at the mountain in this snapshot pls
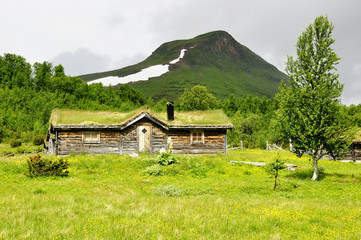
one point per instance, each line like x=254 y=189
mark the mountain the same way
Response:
x=215 y=60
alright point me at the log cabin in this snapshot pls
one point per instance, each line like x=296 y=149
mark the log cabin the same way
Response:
x=355 y=148
x=142 y=130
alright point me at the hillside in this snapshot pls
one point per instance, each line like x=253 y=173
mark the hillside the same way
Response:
x=215 y=60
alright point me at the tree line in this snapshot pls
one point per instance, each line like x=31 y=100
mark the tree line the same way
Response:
x=29 y=93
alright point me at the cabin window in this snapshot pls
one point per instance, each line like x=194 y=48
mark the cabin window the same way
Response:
x=197 y=137
x=91 y=137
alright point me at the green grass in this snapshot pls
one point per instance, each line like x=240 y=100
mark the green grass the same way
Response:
x=209 y=117
x=203 y=197
x=63 y=116
x=5 y=149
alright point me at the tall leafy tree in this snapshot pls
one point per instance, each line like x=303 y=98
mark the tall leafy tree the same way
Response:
x=43 y=73
x=14 y=71
x=310 y=107
x=197 y=98
x=59 y=71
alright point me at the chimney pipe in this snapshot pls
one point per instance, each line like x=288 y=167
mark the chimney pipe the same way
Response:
x=170 y=110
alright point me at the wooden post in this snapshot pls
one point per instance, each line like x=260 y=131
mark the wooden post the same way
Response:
x=121 y=147
x=267 y=146
x=225 y=142
x=241 y=144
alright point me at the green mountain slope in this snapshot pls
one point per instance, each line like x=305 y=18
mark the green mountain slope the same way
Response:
x=215 y=60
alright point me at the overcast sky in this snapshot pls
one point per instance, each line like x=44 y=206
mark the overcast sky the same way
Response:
x=87 y=36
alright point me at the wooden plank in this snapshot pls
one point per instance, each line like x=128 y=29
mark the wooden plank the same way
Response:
x=70 y=134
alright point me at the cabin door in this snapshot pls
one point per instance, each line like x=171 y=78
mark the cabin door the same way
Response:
x=144 y=133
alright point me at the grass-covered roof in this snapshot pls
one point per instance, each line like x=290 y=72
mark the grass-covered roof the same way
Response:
x=81 y=117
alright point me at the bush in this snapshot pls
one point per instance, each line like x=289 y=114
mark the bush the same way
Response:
x=169 y=191
x=155 y=170
x=166 y=158
x=26 y=136
x=15 y=143
x=44 y=167
x=39 y=140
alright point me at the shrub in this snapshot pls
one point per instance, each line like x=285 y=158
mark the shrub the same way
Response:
x=44 y=167
x=26 y=136
x=39 y=140
x=15 y=143
x=166 y=158
x=169 y=190
x=154 y=170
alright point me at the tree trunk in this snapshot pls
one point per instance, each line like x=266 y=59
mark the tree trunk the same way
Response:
x=315 y=169
x=274 y=188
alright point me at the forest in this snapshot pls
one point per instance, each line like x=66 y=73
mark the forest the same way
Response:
x=28 y=94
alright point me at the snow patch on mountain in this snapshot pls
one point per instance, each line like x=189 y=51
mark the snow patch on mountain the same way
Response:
x=181 y=55
x=144 y=74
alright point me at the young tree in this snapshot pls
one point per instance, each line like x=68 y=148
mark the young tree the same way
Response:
x=273 y=168
x=310 y=107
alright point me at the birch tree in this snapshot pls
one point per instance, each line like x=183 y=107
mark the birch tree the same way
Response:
x=310 y=106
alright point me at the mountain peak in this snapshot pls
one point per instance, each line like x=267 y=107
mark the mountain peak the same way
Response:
x=213 y=59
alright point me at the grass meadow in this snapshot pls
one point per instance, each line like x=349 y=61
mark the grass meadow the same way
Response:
x=202 y=197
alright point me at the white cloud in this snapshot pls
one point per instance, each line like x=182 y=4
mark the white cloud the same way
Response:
x=82 y=61
x=120 y=32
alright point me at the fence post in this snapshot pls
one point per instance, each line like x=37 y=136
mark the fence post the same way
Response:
x=267 y=146
x=241 y=144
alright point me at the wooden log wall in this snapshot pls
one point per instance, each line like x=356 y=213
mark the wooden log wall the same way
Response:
x=354 y=152
x=129 y=142
x=159 y=139
x=126 y=141
x=72 y=142
x=214 y=142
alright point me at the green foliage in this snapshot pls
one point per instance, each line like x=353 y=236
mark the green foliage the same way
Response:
x=59 y=71
x=353 y=114
x=154 y=170
x=15 y=143
x=15 y=71
x=39 y=140
x=311 y=113
x=274 y=167
x=2 y=132
x=166 y=158
x=44 y=167
x=197 y=98
x=169 y=190
x=43 y=73
x=160 y=106
x=29 y=95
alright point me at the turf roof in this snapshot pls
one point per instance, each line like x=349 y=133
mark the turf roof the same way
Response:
x=76 y=117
